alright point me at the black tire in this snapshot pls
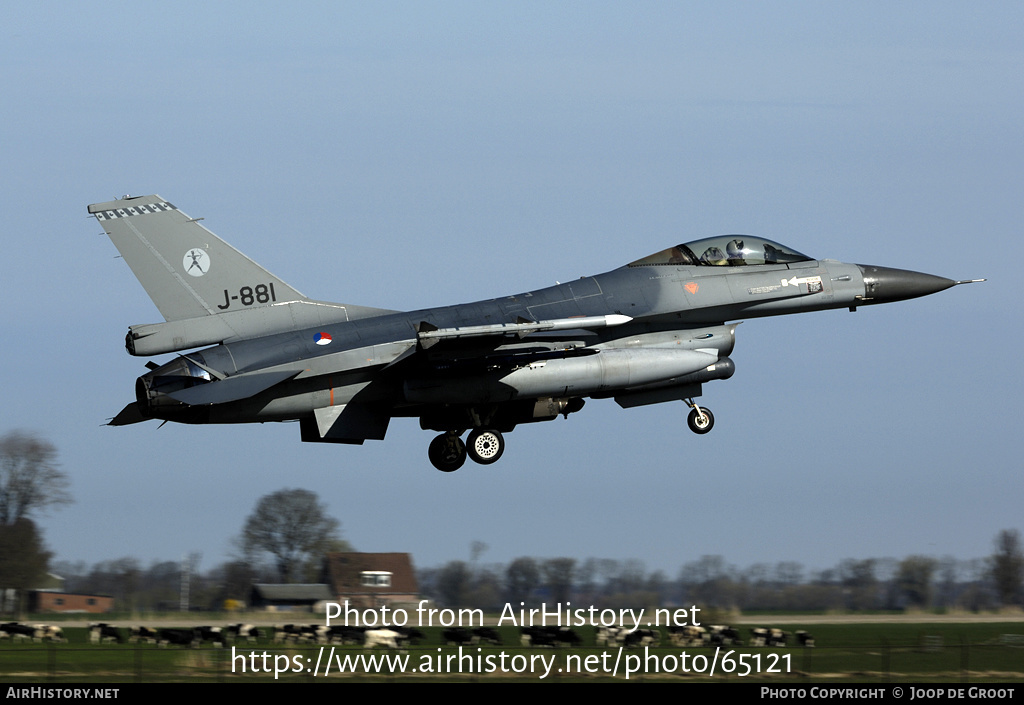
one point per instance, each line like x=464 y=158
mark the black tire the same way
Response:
x=485 y=446
x=447 y=452
x=698 y=424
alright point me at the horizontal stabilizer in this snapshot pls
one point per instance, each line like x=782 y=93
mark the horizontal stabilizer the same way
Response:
x=232 y=388
x=127 y=416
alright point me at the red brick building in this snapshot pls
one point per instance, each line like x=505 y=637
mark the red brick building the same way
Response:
x=371 y=579
x=46 y=601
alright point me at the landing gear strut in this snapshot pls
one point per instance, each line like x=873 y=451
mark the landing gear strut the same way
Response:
x=699 y=420
x=447 y=452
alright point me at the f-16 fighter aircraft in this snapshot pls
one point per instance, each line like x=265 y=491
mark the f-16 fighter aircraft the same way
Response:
x=652 y=331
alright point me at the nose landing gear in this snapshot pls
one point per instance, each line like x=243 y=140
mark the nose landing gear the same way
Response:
x=700 y=420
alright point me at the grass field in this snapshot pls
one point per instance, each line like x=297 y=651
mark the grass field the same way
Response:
x=872 y=653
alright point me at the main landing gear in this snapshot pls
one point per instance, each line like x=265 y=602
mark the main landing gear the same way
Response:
x=448 y=453
x=700 y=420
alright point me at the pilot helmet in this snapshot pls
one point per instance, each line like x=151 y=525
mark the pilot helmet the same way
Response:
x=734 y=249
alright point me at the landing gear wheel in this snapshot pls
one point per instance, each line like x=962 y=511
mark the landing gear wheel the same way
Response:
x=485 y=446
x=447 y=452
x=700 y=420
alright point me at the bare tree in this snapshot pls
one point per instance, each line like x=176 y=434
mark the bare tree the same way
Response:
x=23 y=561
x=914 y=580
x=477 y=549
x=30 y=480
x=293 y=527
x=1008 y=566
x=558 y=575
x=860 y=586
x=453 y=582
x=522 y=577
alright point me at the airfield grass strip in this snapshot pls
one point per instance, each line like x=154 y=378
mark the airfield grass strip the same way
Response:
x=868 y=653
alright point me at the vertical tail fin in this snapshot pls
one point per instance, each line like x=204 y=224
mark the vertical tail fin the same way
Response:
x=187 y=271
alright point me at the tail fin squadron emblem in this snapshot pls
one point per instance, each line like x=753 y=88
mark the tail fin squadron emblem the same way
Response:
x=196 y=262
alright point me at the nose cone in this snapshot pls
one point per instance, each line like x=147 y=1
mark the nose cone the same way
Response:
x=883 y=284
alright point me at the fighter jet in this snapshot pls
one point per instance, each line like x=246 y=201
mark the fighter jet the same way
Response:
x=652 y=331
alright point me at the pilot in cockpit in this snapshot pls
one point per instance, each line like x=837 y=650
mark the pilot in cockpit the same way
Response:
x=735 y=252
x=714 y=256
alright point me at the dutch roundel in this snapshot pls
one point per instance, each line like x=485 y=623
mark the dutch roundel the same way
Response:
x=322 y=338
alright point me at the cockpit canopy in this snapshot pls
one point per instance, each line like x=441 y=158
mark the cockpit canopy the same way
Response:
x=724 y=251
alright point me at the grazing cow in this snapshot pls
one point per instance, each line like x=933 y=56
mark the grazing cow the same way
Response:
x=145 y=634
x=282 y=634
x=608 y=636
x=642 y=637
x=298 y=634
x=486 y=635
x=214 y=634
x=408 y=635
x=721 y=635
x=341 y=634
x=535 y=636
x=51 y=632
x=688 y=636
x=178 y=637
x=805 y=639
x=768 y=637
x=548 y=636
x=243 y=631
x=457 y=636
x=100 y=632
x=21 y=631
x=566 y=636
x=387 y=638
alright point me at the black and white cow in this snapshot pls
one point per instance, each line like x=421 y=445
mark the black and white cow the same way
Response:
x=385 y=638
x=486 y=635
x=341 y=634
x=13 y=630
x=642 y=637
x=805 y=639
x=101 y=632
x=144 y=634
x=243 y=631
x=548 y=636
x=768 y=637
x=298 y=634
x=610 y=636
x=211 y=634
x=457 y=636
x=688 y=636
x=408 y=635
x=51 y=632
x=177 y=637
x=722 y=635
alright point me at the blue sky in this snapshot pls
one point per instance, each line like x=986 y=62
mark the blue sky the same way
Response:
x=405 y=155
